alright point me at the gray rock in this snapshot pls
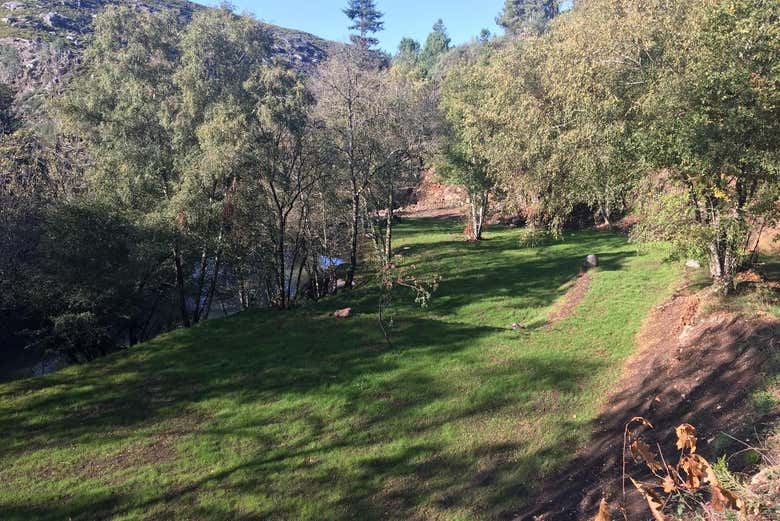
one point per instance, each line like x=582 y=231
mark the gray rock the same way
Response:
x=57 y=21
x=693 y=264
x=517 y=325
x=591 y=261
x=13 y=5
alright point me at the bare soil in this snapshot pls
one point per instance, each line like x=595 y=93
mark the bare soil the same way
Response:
x=434 y=213
x=571 y=300
x=699 y=370
x=432 y=198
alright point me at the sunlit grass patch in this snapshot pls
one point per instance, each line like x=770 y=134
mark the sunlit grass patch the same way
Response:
x=296 y=415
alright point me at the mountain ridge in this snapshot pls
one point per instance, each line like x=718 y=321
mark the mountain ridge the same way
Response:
x=42 y=41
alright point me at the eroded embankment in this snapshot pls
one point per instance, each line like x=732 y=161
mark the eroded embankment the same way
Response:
x=687 y=368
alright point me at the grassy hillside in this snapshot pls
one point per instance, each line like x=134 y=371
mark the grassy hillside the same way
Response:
x=298 y=415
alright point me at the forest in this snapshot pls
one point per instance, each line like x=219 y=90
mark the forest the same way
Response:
x=183 y=167
x=186 y=172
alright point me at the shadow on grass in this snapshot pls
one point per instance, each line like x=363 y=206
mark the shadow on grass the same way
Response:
x=313 y=417
x=389 y=481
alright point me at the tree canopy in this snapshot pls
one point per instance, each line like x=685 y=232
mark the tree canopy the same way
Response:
x=366 y=20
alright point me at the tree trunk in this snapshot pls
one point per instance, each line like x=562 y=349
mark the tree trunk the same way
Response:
x=479 y=225
x=213 y=286
x=180 y=286
x=201 y=283
x=389 y=230
x=478 y=203
x=353 y=247
x=723 y=264
x=281 y=271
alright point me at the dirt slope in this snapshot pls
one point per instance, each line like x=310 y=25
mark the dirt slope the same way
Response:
x=432 y=198
x=687 y=369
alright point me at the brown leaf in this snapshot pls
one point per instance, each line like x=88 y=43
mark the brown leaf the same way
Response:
x=642 y=451
x=603 y=514
x=654 y=501
x=639 y=419
x=723 y=499
x=696 y=470
x=669 y=484
x=686 y=437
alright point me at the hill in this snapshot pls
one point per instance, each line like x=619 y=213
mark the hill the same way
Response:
x=300 y=415
x=41 y=42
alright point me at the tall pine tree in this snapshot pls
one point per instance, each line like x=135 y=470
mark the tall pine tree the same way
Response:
x=437 y=43
x=521 y=17
x=367 y=20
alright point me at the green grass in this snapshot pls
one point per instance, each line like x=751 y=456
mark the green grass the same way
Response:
x=296 y=415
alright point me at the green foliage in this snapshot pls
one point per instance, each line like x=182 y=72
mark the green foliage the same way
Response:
x=367 y=20
x=534 y=237
x=101 y=272
x=408 y=56
x=523 y=17
x=711 y=117
x=436 y=45
x=459 y=160
x=8 y=120
x=188 y=131
x=608 y=98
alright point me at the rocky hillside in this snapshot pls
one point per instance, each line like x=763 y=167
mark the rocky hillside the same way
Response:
x=41 y=42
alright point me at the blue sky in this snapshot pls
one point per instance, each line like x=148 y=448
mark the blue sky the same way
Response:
x=463 y=18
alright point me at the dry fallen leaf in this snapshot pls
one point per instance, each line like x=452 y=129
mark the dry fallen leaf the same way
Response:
x=655 y=502
x=686 y=437
x=669 y=485
x=696 y=470
x=639 y=419
x=603 y=514
x=642 y=451
x=723 y=499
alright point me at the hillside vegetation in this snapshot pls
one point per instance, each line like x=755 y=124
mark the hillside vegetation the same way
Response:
x=299 y=415
x=199 y=217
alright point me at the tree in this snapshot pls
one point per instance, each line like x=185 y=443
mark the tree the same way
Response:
x=436 y=45
x=120 y=110
x=523 y=17
x=459 y=165
x=291 y=159
x=344 y=89
x=711 y=119
x=165 y=115
x=367 y=20
x=458 y=161
x=376 y=121
x=35 y=177
x=408 y=55
x=220 y=54
x=407 y=113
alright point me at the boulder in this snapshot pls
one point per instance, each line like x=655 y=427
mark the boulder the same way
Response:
x=343 y=313
x=591 y=261
x=55 y=20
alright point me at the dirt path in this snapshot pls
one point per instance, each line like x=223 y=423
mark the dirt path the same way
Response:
x=685 y=370
x=571 y=300
x=414 y=212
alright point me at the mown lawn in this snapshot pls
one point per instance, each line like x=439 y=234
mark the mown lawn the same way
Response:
x=298 y=415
